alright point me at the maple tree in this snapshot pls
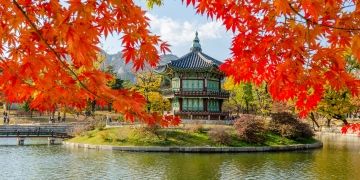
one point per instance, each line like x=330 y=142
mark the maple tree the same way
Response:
x=48 y=50
x=296 y=47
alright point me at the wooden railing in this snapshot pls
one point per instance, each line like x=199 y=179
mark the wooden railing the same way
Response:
x=35 y=131
x=195 y=93
x=201 y=113
x=22 y=133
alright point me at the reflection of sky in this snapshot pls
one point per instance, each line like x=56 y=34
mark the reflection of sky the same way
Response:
x=338 y=159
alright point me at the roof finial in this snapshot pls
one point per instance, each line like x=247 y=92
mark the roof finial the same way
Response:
x=196 y=43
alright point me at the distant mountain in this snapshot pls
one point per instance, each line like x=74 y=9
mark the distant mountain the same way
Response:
x=164 y=59
x=125 y=71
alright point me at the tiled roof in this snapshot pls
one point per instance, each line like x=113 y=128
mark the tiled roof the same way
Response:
x=194 y=60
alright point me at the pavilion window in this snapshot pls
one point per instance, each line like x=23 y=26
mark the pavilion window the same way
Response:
x=193 y=104
x=193 y=85
x=213 y=106
x=201 y=105
x=190 y=104
x=200 y=85
x=213 y=85
x=185 y=105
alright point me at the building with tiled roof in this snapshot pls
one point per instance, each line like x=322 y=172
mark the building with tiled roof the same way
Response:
x=193 y=85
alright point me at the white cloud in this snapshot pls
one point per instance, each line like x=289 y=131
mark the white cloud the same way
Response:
x=182 y=33
x=179 y=34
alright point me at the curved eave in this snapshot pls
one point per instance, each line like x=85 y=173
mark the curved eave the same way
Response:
x=164 y=69
x=213 y=69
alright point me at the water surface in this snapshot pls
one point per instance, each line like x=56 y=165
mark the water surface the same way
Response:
x=339 y=159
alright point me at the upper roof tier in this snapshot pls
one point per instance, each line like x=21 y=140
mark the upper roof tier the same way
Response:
x=194 y=60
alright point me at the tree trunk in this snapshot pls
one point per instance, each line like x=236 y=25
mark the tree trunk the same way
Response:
x=93 y=106
x=64 y=116
x=247 y=107
x=312 y=117
x=342 y=118
x=328 y=122
x=344 y=121
x=109 y=107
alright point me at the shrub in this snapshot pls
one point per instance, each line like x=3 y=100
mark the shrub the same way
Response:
x=80 y=130
x=305 y=130
x=107 y=137
x=197 y=128
x=250 y=129
x=286 y=125
x=279 y=119
x=97 y=124
x=151 y=129
x=89 y=134
x=121 y=137
x=219 y=135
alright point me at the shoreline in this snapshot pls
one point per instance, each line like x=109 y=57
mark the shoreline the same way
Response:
x=202 y=149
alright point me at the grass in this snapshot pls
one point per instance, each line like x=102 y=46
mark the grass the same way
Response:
x=136 y=136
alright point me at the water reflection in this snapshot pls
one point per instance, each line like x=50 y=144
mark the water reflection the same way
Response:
x=338 y=159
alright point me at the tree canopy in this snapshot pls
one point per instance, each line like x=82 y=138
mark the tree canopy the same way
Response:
x=148 y=84
x=246 y=98
x=48 y=50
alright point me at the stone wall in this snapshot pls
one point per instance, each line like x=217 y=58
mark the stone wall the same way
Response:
x=294 y=147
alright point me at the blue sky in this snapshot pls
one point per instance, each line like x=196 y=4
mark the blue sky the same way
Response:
x=176 y=24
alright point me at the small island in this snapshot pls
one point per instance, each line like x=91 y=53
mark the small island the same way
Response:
x=248 y=134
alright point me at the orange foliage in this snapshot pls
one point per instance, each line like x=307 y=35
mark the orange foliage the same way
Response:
x=48 y=51
x=296 y=47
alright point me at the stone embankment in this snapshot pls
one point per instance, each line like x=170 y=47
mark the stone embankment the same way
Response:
x=196 y=149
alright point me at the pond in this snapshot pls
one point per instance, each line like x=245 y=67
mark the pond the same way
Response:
x=339 y=159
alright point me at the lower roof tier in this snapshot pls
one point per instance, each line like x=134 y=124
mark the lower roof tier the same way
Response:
x=177 y=93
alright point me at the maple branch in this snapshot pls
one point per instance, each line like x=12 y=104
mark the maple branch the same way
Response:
x=316 y=23
x=58 y=58
x=350 y=5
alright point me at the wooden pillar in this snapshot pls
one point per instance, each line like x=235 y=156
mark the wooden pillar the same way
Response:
x=220 y=104
x=180 y=103
x=204 y=88
x=219 y=85
x=51 y=140
x=205 y=104
x=181 y=84
x=20 y=141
